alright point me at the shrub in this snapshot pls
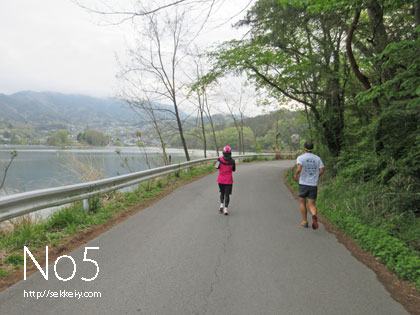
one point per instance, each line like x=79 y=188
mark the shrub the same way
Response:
x=14 y=259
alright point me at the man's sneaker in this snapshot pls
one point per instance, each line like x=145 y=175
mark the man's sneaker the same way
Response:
x=225 y=211
x=304 y=224
x=315 y=222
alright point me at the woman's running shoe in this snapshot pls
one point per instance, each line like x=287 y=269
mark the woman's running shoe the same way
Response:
x=304 y=224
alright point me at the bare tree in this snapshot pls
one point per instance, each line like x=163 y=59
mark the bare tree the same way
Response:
x=207 y=109
x=166 y=20
x=150 y=113
x=237 y=107
x=128 y=10
x=161 y=64
x=158 y=59
x=200 y=90
x=201 y=99
x=6 y=167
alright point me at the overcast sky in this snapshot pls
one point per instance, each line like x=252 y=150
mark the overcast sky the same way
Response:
x=54 y=45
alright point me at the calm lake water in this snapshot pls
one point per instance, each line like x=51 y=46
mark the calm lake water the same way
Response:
x=38 y=167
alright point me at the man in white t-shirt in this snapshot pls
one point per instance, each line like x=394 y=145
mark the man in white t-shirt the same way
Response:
x=309 y=169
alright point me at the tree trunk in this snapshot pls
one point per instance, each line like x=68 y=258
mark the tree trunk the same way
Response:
x=207 y=111
x=309 y=121
x=380 y=37
x=238 y=130
x=353 y=64
x=181 y=131
x=162 y=143
x=203 y=131
x=214 y=135
x=276 y=144
x=242 y=135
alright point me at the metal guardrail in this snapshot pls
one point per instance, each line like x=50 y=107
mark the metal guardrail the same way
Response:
x=22 y=203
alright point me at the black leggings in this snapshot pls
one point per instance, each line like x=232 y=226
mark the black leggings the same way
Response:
x=225 y=192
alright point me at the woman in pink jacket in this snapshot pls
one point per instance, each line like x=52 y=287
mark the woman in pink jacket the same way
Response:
x=226 y=166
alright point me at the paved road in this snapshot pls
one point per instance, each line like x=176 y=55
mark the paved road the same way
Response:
x=180 y=256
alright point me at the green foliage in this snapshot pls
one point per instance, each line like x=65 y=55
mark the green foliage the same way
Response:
x=361 y=212
x=369 y=138
x=14 y=259
x=290 y=179
x=67 y=216
x=259 y=132
x=297 y=50
x=254 y=159
x=369 y=214
x=70 y=221
x=60 y=137
x=25 y=234
x=95 y=204
x=258 y=147
x=3 y=273
x=93 y=137
x=293 y=54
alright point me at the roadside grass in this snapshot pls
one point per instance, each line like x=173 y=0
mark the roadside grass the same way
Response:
x=363 y=212
x=74 y=219
x=255 y=159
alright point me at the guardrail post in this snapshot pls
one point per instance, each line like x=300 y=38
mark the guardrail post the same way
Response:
x=86 y=205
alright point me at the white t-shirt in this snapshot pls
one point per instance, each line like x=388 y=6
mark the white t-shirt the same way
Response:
x=311 y=164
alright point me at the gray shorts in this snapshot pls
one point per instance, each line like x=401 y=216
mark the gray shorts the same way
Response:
x=310 y=192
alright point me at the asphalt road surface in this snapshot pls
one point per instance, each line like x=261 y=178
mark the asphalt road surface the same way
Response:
x=180 y=256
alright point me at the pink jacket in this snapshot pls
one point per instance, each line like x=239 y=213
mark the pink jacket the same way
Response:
x=225 y=171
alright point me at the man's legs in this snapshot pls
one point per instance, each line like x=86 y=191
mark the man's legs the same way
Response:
x=303 y=210
x=312 y=207
x=314 y=212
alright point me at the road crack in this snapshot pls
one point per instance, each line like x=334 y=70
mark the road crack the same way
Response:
x=217 y=267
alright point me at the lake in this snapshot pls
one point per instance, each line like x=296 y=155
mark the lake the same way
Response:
x=37 y=167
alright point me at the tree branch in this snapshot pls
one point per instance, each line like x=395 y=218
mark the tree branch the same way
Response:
x=359 y=75
x=13 y=154
x=272 y=84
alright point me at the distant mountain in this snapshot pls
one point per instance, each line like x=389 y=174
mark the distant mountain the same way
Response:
x=43 y=108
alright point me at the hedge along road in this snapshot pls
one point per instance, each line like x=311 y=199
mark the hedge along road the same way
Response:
x=180 y=256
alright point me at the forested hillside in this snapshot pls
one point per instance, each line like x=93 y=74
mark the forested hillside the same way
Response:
x=259 y=133
x=45 y=108
x=29 y=117
x=355 y=68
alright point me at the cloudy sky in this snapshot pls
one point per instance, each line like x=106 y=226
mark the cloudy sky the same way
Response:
x=54 y=45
